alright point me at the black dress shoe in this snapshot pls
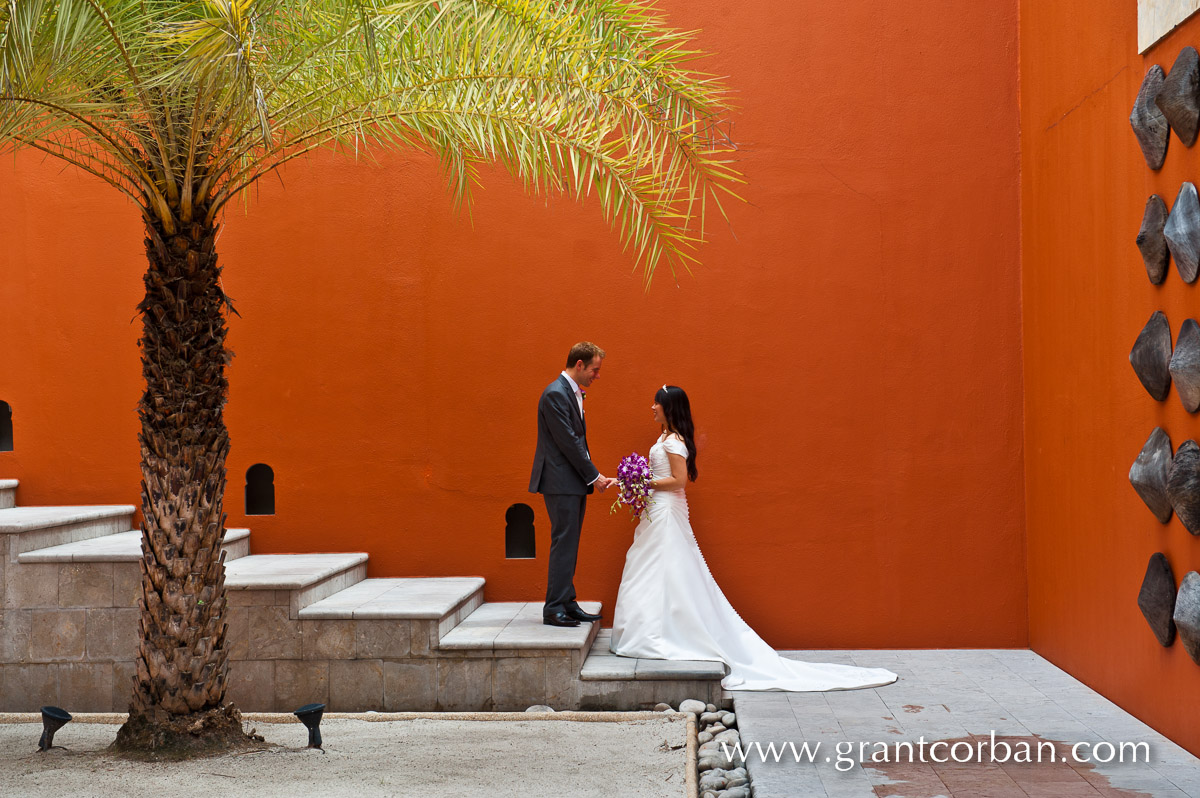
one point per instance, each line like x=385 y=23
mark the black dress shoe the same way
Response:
x=580 y=615
x=559 y=619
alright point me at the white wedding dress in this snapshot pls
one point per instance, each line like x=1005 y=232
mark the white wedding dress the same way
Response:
x=670 y=607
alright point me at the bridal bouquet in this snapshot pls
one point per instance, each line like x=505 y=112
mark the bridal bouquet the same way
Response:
x=634 y=475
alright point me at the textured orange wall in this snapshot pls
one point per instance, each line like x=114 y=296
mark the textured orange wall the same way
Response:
x=851 y=347
x=1086 y=297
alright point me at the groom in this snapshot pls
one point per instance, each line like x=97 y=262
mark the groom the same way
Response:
x=563 y=473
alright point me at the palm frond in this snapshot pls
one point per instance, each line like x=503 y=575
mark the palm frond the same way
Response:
x=184 y=105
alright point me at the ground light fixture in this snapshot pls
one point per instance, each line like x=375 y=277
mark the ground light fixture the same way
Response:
x=53 y=719
x=310 y=716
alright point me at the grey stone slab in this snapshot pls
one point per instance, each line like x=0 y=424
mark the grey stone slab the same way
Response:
x=301 y=683
x=526 y=630
x=25 y=688
x=58 y=635
x=85 y=584
x=27 y=519
x=287 y=571
x=383 y=639
x=31 y=586
x=356 y=685
x=464 y=685
x=562 y=682
x=852 y=783
x=86 y=686
x=652 y=669
x=251 y=685
x=272 y=634
x=326 y=640
x=123 y=674
x=410 y=685
x=16 y=630
x=608 y=666
x=430 y=598
x=791 y=780
x=127 y=584
x=516 y=625
x=951 y=693
x=518 y=682
x=120 y=547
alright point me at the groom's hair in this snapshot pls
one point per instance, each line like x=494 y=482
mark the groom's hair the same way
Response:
x=585 y=351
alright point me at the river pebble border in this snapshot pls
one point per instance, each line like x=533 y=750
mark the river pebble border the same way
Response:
x=720 y=770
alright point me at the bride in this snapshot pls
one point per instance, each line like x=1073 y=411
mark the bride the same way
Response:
x=670 y=607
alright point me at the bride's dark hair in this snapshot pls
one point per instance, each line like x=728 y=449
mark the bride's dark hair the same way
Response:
x=678 y=413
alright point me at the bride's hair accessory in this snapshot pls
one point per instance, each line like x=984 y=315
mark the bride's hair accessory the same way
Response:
x=664 y=387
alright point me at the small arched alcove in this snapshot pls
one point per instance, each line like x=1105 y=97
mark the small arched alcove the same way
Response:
x=6 y=428
x=519 y=540
x=260 y=490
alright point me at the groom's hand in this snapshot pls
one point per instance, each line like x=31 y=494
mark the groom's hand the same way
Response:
x=602 y=483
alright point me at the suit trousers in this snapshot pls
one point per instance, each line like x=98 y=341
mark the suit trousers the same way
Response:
x=566 y=521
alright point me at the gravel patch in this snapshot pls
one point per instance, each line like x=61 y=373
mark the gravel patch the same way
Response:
x=559 y=756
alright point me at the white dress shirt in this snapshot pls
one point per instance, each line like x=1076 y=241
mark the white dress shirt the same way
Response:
x=578 y=392
x=578 y=398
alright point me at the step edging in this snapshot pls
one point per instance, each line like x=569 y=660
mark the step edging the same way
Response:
x=13 y=519
x=369 y=591
x=252 y=581
x=80 y=551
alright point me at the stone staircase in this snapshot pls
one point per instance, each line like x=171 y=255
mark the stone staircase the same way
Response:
x=303 y=628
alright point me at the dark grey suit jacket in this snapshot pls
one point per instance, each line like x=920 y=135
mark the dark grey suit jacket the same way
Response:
x=561 y=464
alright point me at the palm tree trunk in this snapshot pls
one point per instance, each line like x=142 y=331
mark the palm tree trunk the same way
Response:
x=182 y=662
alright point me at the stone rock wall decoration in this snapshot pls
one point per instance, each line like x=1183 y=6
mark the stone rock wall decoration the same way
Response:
x=1187 y=615
x=1182 y=232
x=1179 y=98
x=1152 y=242
x=1156 y=599
x=1185 y=365
x=1149 y=124
x=1183 y=485
x=1151 y=356
x=1149 y=474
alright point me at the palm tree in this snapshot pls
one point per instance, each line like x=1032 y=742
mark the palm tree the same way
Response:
x=181 y=105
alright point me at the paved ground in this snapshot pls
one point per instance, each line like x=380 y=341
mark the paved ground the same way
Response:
x=432 y=758
x=952 y=697
x=957 y=696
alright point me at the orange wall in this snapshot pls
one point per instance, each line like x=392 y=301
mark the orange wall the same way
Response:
x=851 y=347
x=1086 y=296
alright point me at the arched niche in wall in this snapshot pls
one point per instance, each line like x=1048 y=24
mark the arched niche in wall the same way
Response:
x=6 y=427
x=260 y=490
x=519 y=540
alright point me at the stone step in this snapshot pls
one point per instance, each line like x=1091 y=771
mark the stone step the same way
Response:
x=124 y=547
x=292 y=580
x=506 y=628
x=608 y=681
x=8 y=493
x=30 y=528
x=444 y=600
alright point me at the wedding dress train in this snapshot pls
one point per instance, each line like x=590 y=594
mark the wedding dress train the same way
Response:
x=670 y=607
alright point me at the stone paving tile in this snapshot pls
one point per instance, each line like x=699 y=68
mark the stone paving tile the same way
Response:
x=950 y=695
x=287 y=571
x=430 y=598
x=19 y=519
